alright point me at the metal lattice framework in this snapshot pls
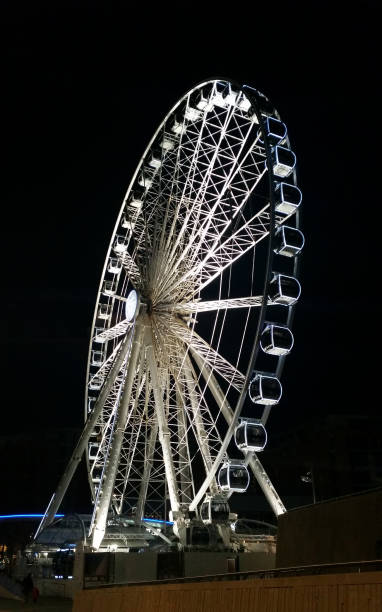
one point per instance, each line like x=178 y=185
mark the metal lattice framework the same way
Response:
x=168 y=380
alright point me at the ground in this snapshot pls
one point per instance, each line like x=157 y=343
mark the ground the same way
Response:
x=48 y=604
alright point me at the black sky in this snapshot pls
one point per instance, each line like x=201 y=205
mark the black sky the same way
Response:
x=85 y=85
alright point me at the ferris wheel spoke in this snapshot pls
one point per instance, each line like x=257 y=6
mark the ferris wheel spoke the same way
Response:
x=200 y=415
x=113 y=332
x=249 y=235
x=224 y=253
x=131 y=269
x=200 y=422
x=231 y=183
x=200 y=347
x=189 y=188
x=212 y=305
x=209 y=421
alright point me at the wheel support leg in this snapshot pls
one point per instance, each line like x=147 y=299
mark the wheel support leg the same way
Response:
x=107 y=484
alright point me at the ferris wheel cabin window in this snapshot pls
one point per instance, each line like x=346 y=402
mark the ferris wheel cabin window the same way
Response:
x=167 y=143
x=284 y=161
x=114 y=265
x=145 y=179
x=178 y=126
x=97 y=358
x=276 y=340
x=205 y=511
x=96 y=383
x=127 y=222
x=91 y=402
x=135 y=198
x=203 y=101
x=97 y=475
x=219 y=510
x=250 y=435
x=120 y=244
x=287 y=197
x=93 y=450
x=276 y=130
x=155 y=159
x=97 y=331
x=233 y=477
x=104 y=311
x=284 y=290
x=214 y=509
x=265 y=389
x=288 y=241
x=109 y=287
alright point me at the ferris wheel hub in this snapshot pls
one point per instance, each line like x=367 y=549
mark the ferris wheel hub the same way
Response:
x=132 y=305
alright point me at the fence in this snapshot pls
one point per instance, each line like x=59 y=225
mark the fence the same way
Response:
x=356 y=590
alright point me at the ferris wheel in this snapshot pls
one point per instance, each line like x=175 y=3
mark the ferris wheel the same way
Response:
x=193 y=315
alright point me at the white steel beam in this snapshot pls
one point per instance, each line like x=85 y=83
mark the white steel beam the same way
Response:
x=114 y=332
x=164 y=432
x=186 y=484
x=107 y=484
x=149 y=454
x=84 y=438
x=251 y=459
x=200 y=347
x=202 y=437
x=212 y=305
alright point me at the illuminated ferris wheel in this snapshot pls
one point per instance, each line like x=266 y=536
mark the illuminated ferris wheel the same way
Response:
x=193 y=315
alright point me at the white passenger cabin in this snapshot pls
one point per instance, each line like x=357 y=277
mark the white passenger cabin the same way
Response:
x=250 y=435
x=104 y=311
x=284 y=161
x=265 y=389
x=288 y=241
x=114 y=266
x=214 y=509
x=233 y=476
x=120 y=244
x=284 y=290
x=287 y=198
x=276 y=339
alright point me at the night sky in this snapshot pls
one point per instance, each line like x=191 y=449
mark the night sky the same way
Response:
x=84 y=85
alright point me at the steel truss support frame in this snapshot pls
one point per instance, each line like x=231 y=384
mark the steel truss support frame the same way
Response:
x=101 y=510
x=146 y=472
x=84 y=438
x=164 y=438
x=251 y=459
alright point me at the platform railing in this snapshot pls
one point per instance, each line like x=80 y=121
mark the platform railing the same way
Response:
x=302 y=570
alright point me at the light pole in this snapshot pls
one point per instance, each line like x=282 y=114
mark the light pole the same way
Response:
x=309 y=477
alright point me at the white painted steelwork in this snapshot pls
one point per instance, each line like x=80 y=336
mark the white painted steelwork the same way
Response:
x=185 y=287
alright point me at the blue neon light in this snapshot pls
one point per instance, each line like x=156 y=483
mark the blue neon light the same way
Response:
x=11 y=516
x=148 y=520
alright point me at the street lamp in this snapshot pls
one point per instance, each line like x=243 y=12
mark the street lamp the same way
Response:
x=309 y=477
